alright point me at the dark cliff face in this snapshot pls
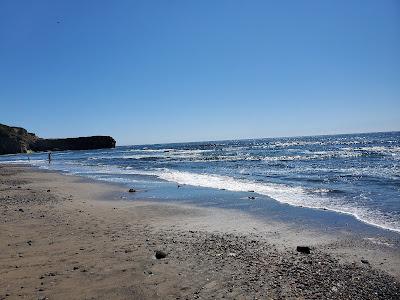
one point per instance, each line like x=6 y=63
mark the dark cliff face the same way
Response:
x=79 y=143
x=18 y=140
x=15 y=139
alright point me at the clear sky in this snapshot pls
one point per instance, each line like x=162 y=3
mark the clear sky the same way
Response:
x=169 y=71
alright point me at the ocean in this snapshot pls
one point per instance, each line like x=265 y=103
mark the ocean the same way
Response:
x=354 y=174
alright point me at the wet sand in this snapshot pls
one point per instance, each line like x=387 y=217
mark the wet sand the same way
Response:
x=63 y=237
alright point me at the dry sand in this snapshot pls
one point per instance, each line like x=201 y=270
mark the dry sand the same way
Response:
x=62 y=237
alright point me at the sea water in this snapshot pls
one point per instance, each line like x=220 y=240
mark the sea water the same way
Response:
x=354 y=174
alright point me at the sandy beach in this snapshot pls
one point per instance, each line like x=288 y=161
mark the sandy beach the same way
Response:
x=64 y=237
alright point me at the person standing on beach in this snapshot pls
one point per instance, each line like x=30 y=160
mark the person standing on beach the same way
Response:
x=49 y=157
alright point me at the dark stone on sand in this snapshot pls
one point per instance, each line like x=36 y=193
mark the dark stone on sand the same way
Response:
x=21 y=210
x=251 y=197
x=303 y=249
x=364 y=261
x=160 y=254
x=48 y=191
x=132 y=191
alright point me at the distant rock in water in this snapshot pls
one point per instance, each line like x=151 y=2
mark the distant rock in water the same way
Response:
x=19 y=140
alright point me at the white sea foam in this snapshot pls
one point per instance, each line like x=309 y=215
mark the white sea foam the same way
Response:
x=296 y=196
x=90 y=164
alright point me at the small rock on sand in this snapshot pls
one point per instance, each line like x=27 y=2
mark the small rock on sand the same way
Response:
x=132 y=191
x=364 y=261
x=303 y=249
x=160 y=254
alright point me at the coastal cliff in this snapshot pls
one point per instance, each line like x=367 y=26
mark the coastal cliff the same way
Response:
x=19 y=140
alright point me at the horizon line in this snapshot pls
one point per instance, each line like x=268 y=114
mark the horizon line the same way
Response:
x=259 y=138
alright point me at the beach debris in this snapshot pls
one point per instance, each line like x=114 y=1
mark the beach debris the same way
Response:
x=21 y=210
x=160 y=254
x=29 y=243
x=251 y=197
x=48 y=191
x=251 y=191
x=48 y=275
x=303 y=249
x=364 y=261
x=132 y=191
x=179 y=186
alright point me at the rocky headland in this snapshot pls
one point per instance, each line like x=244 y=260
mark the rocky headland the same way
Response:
x=18 y=140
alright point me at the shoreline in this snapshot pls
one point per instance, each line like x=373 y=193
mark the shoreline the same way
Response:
x=328 y=217
x=349 y=223
x=211 y=252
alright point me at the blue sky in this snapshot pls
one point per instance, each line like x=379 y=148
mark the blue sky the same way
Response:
x=170 y=71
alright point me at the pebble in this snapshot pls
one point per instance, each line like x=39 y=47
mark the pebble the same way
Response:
x=303 y=249
x=364 y=261
x=160 y=254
